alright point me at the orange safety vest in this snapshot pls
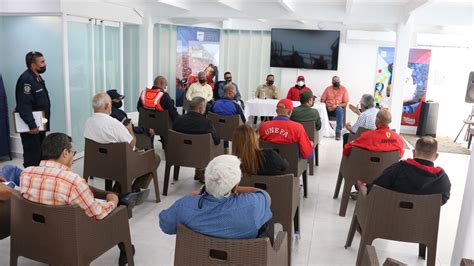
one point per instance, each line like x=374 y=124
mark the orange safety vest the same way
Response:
x=151 y=99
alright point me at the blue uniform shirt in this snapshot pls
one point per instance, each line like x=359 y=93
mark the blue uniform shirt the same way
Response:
x=235 y=217
x=32 y=95
x=226 y=106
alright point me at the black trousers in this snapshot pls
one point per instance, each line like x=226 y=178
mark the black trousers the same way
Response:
x=32 y=148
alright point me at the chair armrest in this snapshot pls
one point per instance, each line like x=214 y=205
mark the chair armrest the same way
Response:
x=280 y=241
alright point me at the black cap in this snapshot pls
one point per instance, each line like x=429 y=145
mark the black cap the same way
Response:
x=115 y=95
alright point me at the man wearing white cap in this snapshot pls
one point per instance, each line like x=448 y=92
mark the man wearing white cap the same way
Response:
x=221 y=208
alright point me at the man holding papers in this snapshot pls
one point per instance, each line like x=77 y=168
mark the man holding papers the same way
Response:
x=32 y=95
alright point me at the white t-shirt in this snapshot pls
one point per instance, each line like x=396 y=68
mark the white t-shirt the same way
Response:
x=198 y=90
x=105 y=129
x=366 y=119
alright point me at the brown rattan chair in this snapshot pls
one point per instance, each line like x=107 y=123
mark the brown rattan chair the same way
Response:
x=196 y=249
x=118 y=162
x=290 y=152
x=370 y=258
x=284 y=192
x=4 y=219
x=160 y=122
x=397 y=216
x=225 y=125
x=361 y=165
x=313 y=135
x=64 y=235
x=189 y=151
x=353 y=137
x=467 y=262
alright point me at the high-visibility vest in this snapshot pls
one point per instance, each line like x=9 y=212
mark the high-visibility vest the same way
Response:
x=151 y=99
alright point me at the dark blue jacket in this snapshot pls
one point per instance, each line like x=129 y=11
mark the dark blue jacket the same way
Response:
x=226 y=106
x=32 y=95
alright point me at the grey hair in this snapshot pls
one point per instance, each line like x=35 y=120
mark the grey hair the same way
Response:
x=367 y=100
x=196 y=103
x=100 y=100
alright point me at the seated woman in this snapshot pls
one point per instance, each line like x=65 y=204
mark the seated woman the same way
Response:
x=256 y=161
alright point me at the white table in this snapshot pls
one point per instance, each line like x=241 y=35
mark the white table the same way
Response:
x=260 y=107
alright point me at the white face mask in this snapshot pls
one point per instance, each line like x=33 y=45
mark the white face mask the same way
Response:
x=300 y=83
x=166 y=88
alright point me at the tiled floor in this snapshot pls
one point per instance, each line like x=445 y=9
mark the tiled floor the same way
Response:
x=323 y=232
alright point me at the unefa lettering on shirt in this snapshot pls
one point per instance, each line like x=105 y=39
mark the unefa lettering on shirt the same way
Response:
x=276 y=130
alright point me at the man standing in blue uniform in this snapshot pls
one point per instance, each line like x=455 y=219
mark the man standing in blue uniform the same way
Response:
x=31 y=96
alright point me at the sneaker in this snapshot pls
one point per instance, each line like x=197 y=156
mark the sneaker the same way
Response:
x=338 y=135
x=123 y=257
x=354 y=195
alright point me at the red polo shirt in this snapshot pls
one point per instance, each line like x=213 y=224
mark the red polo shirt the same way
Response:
x=284 y=131
x=294 y=93
x=379 y=140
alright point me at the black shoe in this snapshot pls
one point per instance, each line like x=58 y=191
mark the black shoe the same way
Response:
x=142 y=195
x=354 y=195
x=134 y=198
x=338 y=135
x=123 y=257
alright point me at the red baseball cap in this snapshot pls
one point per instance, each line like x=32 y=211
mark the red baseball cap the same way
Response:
x=300 y=78
x=285 y=104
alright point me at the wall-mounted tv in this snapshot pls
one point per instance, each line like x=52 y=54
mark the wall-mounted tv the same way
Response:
x=310 y=49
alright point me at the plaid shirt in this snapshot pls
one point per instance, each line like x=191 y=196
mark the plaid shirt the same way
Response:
x=52 y=183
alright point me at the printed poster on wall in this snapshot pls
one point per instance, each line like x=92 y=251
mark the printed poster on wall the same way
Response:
x=196 y=49
x=415 y=83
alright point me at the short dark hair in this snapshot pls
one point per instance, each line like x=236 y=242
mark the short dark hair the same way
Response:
x=426 y=145
x=54 y=144
x=196 y=103
x=31 y=58
x=270 y=75
x=227 y=73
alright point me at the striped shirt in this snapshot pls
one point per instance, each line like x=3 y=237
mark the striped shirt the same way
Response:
x=366 y=119
x=52 y=183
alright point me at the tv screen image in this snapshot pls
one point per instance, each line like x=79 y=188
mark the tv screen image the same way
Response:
x=310 y=49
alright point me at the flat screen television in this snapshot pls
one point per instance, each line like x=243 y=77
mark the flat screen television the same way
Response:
x=310 y=49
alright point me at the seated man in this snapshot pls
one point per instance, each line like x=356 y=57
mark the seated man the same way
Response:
x=418 y=175
x=380 y=140
x=226 y=105
x=228 y=81
x=102 y=128
x=194 y=122
x=366 y=119
x=336 y=98
x=284 y=131
x=10 y=173
x=121 y=115
x=304 y=112
x=200 y=89
x=54 y=183
x=221 y=208
x=157 y=98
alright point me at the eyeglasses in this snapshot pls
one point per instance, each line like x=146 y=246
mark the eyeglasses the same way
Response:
x=73 y=152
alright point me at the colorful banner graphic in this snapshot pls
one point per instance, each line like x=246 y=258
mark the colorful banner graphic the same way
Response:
x=415 y=83
x=196 y=49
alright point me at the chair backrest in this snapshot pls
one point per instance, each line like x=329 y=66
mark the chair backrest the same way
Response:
x=224 y=125
x=361 y=130
x=4 y=219
x=311 y=131
x=107 y=161
x=160 y=122
x=191 y=150
x=403 y=217
x=369 y=258
x=291 y=153
x=366 y=165
x=40 y=229
x=193 y=248
x=283 y=190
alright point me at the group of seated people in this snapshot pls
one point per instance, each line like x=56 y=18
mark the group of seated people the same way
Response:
x=220 y=208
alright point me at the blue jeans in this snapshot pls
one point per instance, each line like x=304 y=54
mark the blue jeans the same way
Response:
x=339 y=113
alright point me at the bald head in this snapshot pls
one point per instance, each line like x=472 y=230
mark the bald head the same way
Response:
x=160 y=82
x=102 y=103
x=229 y=90
x=426 y=148
x=384 y=118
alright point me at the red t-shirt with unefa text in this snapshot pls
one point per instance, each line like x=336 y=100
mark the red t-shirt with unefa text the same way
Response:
x=281 y=130
x=294 y=93
x=380 y=140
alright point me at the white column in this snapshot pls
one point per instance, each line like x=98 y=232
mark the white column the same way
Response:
x=400 y=64
x=146 y=52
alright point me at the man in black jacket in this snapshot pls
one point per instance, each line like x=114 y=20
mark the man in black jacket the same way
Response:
x=418 y=175
x=194 y=122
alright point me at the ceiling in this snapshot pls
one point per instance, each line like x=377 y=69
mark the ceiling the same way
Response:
x=385 y=15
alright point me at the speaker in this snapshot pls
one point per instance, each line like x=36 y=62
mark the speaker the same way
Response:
x=470 y=89
x=428 y=119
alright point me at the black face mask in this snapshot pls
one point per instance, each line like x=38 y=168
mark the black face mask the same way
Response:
x=202 y=81
x=270 y=82
x=41 y=70
x=336 y=84
x=117 y=104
